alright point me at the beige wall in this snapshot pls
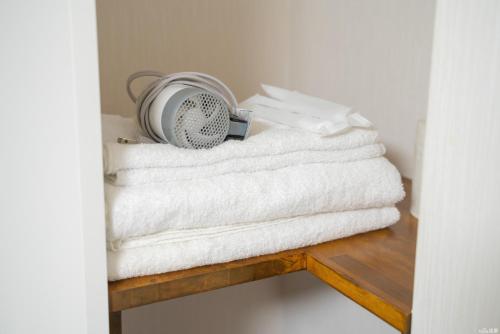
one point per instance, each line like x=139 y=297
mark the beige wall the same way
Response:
x=241 y=42
x=372 y=55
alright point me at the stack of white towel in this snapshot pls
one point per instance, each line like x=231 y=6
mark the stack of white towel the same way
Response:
x=170 y=208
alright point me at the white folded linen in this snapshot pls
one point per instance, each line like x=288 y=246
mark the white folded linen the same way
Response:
x=251 y=197
x=176 y=250
x=137 y=176
x=304 y=111
x=330 y=124
x=128 y=163
x=305 y=104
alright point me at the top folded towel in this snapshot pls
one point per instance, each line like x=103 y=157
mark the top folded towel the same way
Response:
x=269 y=146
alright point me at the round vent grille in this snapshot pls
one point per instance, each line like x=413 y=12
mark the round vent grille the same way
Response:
x=202 y=121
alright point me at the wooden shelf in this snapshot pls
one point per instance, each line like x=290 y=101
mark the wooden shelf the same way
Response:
x=373 y=269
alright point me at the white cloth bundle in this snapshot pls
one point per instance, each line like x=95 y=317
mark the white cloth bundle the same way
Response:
x=251 y=197
x=176 y=250
x=305 y=112
x=269 y=147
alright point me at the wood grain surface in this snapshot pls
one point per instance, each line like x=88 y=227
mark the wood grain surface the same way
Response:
x=373 y=269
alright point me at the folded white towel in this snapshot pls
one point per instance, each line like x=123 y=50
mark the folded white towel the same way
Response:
x=181 y=250
x=251 y=197
x=137 y=176
x=125 y=161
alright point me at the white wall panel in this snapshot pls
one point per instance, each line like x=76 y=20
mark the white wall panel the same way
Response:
x=458 y=268
x=52 y=246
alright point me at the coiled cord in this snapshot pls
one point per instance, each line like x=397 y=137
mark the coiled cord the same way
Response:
x=194 y=79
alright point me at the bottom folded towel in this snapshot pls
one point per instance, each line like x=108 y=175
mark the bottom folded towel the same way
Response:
x=182 y=249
